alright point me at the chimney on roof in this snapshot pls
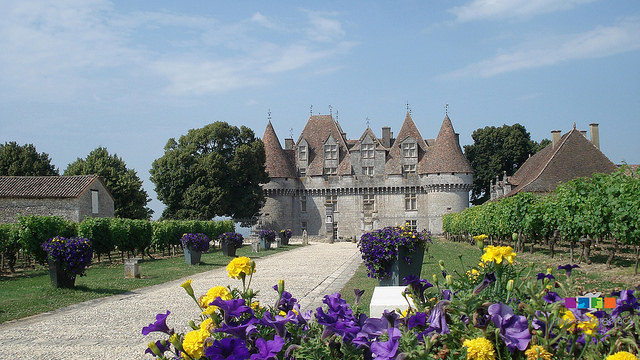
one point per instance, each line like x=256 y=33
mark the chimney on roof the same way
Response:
x=555 y=137
x=584 y=133
x=595 y=136
x=386 y=136
x=457 y=138
x=288 y=144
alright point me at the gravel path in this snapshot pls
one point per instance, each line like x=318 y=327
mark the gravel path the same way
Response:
x=110 y=328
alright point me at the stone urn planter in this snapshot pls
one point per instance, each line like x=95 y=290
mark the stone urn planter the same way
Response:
x=265 y=244
x=191 y=256
x=59 y=277
x=228 y=249
x=400 y=268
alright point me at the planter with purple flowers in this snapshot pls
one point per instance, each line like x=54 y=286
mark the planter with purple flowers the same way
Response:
x=194 y=245
x=67 y=259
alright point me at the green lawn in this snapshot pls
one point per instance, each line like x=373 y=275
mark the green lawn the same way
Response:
x=31 y=293
x=589 y=278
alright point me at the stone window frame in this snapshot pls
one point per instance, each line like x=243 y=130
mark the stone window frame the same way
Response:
x=409 y=149
x=331 y=170
x=368 y=170
x=95 y=202
x=409 y=169
x=302 y=172
x=331 y=151
x=368 y=203
x=333 y=200
x=303 y=203
x=368 y=151
x=411 y=224
x=302 y=152
x=410 y=201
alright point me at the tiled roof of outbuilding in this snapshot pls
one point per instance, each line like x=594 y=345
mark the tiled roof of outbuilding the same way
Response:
x=278 y=164
x=574 y=156
x=446 y=156
x=408 y=129
x=47 y=187
x=316 y=132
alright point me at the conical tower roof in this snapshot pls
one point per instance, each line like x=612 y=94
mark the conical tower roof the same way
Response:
x=446 y=156
x=277 y=165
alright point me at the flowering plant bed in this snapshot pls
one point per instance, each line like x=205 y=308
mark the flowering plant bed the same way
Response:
x=197 y=242
x=497 y=310
x=380 y=248
x=267 y=235
x=72 y=254
x=231 y=238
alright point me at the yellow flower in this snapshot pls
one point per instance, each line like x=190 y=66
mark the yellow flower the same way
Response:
x=255 y=305
x=239 y=266
x=193 y=343
x=187 y=286
x=479 y=349
x=473 y=274
x=622 y=355
x=207 y=325
x=585 y=326
x=537 y=352
x=214 y=293
x=480 y=237
x=498 y=253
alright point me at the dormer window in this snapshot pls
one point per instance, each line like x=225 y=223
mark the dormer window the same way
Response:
x=409 y=150
x=302 y=152
x=409 y=169
x=331 y=152
x=331 y=171
x=367 y=170
x=367 y=151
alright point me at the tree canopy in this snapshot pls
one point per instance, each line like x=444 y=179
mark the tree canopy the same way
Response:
x=17 y=160
x=213 y=171
x=130 y=199
x=496 y=150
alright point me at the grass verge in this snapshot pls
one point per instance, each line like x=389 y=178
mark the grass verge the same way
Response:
x=31 y=292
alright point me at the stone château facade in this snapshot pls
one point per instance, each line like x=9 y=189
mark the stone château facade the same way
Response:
x=334 y=187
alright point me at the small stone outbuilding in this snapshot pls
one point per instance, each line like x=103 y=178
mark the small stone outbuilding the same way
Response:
x=70 y=197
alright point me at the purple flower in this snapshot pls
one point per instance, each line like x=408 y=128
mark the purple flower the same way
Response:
x=338 y=319
x=159 y=325
x=370 y=330
x=198 y=242
x=437 y=320
x=626 y=301
x=160 y=347
x=552 y=297
x=268 y=349
x=446 y=294
x=278 y=323
x=567 y=268
x=542 y=276
x=417 y=286
x=239 y=330
x=417 y=319
x=287 y=301
x=227 y=349
x=514 y=329
x=387 y=350
x=488 y=280
x=358 y=293
x=232 y=308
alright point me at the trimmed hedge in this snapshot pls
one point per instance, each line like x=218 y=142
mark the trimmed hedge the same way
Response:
x=107 y=234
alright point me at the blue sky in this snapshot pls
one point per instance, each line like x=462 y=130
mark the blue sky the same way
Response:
x=129 y=75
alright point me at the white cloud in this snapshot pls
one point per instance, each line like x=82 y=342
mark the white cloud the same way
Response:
x=507 y=9
x=597 y=43
x=71 y=48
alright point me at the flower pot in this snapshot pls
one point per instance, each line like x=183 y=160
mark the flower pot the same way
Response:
x=192 y=257
x=284 y=240
x=400 y=268
x=228 y=249
x=265 y=244
x=59 y=277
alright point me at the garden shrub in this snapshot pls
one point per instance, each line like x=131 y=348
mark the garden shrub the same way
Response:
x=35 y=230
x=99 y=231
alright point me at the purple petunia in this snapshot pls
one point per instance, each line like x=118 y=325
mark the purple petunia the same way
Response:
x=240 y=330
x=278 y=322
x=232 y=308
x=387 y=350
x=268 y=349
x=552 y=297
x=160 y=325
x=437 y=320
x=514 y=329
x=417 y=286
x=488 y=280
x=160 y=347
x=227 y=349
x=567 y=268
x=358 y=294
x=542 y=276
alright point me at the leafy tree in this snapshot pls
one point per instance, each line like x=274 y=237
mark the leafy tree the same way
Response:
x=16 y=160
x=494 y=151
x=130 y=199
x=213 y=171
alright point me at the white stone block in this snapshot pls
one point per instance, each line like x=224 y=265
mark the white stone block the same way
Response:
x=387 y=298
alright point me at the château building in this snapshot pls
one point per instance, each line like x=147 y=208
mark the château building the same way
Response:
x=335 y=187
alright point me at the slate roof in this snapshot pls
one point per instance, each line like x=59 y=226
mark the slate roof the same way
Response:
x=394 y=160
x=278 y=163
x=574 y=156
x=376 y=141
x=316 y=132
x=446 y=156
x=48 y=187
